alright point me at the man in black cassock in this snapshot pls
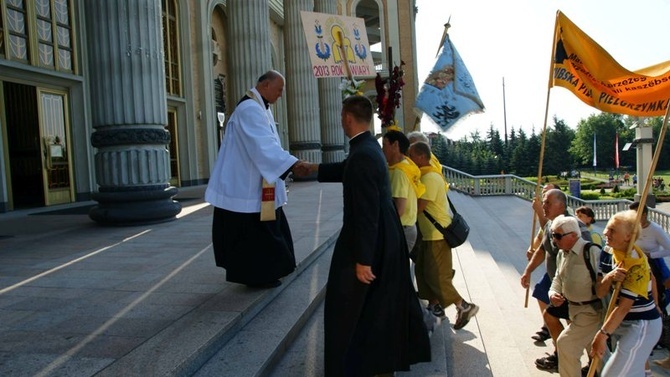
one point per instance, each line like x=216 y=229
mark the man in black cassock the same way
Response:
x=373 y=321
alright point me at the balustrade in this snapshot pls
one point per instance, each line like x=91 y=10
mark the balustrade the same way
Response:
x=509 y=184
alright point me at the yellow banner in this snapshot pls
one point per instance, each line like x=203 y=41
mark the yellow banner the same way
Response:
x=336 y=44
x=587 y=70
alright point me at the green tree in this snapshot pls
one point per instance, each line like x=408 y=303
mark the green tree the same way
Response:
x=440 y=149
x=605 y=126
x=519 y=157
x=664 y=157
x=556 y=157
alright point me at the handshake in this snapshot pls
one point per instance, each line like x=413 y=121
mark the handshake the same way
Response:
x=304 y=168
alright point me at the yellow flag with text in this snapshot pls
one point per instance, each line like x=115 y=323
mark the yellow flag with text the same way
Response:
x=589 y=72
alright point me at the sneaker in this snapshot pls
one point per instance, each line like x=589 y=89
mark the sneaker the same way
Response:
x=436 y=310
x=464 y=314
x=548 y=363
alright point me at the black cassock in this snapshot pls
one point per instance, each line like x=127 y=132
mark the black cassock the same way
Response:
x=376 y=328
x=252 y=251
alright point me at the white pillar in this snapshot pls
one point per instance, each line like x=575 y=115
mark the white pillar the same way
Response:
x=330 y=103
x=248 y=44
x=129 y=112
x=301 y=86
x=645 y=135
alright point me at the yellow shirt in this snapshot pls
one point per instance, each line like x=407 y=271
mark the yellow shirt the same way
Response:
x=436 y=195
x=401 y=187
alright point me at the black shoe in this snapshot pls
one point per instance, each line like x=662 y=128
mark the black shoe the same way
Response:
x=548 y=363
x=541 y=335
x=270 y=284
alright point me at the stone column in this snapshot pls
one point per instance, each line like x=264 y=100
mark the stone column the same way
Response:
x=645 y=140
x=330 y=104
x=129 y=112
x=248 y=44
x=301 y=87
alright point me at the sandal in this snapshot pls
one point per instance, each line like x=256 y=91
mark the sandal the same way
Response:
x=541 y=335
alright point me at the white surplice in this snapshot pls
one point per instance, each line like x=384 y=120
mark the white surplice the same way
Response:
x=251 y=150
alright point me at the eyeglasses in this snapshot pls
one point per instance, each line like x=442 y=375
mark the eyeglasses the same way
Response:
x=558 y=236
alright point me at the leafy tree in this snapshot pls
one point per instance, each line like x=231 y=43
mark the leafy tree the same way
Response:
x=664 y=157
x=605 y=126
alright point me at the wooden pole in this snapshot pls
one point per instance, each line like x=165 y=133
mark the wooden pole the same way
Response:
x=640 y=209
x=444 y=36
x=340 y=37
x=538 y=186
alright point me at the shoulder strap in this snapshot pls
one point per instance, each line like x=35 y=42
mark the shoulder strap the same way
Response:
x=587 y=260
x=433 y=221
x=453 y=209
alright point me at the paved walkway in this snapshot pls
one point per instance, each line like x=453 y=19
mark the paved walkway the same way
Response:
x=78 y=299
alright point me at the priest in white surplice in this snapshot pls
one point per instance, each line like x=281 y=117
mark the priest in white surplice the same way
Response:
x=252 y=164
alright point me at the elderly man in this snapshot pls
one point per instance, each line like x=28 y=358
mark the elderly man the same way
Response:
x=252 y=164
x=434 y=274
x=554 y=203
x=574 y=283
x=543 y=334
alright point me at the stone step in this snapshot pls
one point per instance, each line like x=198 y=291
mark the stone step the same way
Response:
x=194 y=342
x=255 y=349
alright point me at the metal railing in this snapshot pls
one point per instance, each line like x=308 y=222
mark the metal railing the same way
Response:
x=509 y=184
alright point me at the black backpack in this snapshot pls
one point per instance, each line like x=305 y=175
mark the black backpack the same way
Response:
x=586 y=252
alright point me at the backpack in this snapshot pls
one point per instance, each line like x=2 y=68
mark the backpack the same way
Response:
x=586 y=252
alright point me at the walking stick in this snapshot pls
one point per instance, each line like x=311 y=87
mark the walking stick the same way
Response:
x=544 y=139
x=532 y=238
x=643 y=200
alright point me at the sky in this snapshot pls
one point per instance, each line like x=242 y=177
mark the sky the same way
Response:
x=512 y=40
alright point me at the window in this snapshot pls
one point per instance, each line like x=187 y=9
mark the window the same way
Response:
x=18 y=30
x=171 y=48
x=2 y=35
x=369 y=11
x=40 y=33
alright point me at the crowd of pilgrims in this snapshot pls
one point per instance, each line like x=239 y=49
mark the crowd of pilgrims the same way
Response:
x=583 y=311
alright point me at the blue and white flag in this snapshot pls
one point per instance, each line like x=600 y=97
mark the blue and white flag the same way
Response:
x=448 y=94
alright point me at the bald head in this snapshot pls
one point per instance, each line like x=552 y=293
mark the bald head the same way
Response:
x=271 y=85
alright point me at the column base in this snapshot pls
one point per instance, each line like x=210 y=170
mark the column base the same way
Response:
x=127 y=207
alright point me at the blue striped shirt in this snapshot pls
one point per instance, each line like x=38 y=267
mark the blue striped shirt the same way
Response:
x=643 y=308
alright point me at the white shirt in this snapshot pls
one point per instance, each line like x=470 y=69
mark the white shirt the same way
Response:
x=251 y=150
x=654 y=241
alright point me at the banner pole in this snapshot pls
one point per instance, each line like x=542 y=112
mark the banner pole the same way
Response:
x=340 y=37
x=538 y=186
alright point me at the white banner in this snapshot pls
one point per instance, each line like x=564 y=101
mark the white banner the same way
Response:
x=333 y=40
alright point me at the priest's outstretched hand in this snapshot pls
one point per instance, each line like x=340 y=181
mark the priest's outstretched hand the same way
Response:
x=304 y=168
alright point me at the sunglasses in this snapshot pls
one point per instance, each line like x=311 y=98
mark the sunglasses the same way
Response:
x=558 y=236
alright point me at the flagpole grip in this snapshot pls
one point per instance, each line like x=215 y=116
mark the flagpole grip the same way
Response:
x=340 y=41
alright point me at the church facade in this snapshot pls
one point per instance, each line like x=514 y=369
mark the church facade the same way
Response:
x=125 y=101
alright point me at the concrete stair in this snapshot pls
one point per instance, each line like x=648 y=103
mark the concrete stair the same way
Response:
x=255 y=348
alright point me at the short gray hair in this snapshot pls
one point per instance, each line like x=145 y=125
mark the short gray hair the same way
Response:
x=569 y=224
x=415 y=136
